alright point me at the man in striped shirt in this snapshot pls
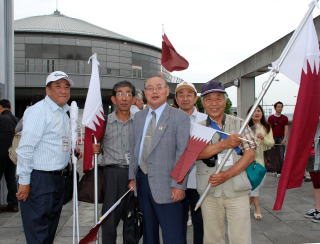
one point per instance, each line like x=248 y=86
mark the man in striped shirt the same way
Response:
x=116 y=145
x=43 y=155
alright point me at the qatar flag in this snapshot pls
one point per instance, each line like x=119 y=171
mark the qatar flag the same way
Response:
x=200 y=136
x=170 y=58
x=93 y=116
x=301 y=66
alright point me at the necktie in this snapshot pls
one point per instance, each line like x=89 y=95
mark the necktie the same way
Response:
x=147 y=143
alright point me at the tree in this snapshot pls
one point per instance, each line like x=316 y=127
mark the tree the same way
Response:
x=227 y=110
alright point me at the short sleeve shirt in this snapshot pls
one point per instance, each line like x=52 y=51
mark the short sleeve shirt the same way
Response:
x=278 y=124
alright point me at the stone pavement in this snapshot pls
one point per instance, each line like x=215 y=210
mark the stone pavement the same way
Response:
x=282 y=227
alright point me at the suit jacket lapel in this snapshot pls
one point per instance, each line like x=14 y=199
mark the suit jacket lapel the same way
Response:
x=161 y=127
x=142 y=121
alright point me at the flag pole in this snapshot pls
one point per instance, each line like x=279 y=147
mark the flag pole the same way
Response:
x=161 y=67
x=272 y=76
x=74 y=110
x=96 y=218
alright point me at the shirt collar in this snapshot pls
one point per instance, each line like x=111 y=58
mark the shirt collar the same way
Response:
x=113 y=117
x=195 y=112
x=55 y=106
x=223 y=120
x=158 y=111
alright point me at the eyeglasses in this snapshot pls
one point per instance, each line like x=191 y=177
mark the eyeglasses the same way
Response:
x=157 y=88
x=123 y=94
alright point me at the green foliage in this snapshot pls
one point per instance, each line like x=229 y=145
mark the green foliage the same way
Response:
x=227 y=110
x=199 y=105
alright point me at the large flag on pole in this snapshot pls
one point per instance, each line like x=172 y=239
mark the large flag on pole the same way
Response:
x=170 y=58
x=93 y=116
x=301 y=66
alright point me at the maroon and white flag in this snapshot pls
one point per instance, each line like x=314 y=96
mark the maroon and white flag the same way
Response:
x=170 y=58
x=200 y=136
x=301 y=66
x=93 y=116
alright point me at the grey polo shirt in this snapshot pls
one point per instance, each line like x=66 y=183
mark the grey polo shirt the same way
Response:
x=117 y=141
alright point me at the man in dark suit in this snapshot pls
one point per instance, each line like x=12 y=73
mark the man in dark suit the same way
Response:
x=7 y=128
x=161 y=134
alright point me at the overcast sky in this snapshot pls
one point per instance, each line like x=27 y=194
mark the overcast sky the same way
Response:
x=212 y=35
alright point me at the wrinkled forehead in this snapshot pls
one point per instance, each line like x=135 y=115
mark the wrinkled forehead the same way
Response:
x=155 y=81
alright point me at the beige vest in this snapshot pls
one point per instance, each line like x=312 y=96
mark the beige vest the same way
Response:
x=234 y=187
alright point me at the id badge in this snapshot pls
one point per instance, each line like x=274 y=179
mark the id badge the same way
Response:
x=229 y=161
x=127 y=157
x=65 y=143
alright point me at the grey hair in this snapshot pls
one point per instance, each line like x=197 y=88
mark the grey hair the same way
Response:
x=158 y=76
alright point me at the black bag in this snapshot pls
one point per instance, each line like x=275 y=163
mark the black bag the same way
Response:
x=272 y=159
x=68 y=194
x=86 y=186
x=133 y=225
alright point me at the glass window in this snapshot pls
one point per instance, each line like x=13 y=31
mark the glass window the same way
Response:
x=33 y=50
x=51 y=51
x=137 y=71
x=114 y=72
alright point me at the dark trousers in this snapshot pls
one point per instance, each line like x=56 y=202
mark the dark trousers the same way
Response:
x=116 y=184
x=282 y=149
x=168 y=216
x=41 y=211
x=8 y=169
x=190 y=201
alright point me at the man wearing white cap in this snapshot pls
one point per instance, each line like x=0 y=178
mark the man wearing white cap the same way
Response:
x=43 y=155
x=186 y=97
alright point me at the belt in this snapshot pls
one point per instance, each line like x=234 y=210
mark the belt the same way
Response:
x=123 y=166
x=62 y=172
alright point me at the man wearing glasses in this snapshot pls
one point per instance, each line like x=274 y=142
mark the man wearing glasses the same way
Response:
x=161 y=134
x=116 y=145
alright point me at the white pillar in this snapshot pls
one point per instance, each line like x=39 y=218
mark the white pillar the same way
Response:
x=245 y=96
x=7 y=51
x=6 y=65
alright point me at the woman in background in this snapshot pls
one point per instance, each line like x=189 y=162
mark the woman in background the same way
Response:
x=264 y=139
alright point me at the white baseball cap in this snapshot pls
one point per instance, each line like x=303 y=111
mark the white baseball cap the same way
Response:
x=58 y=75
x=185 y=84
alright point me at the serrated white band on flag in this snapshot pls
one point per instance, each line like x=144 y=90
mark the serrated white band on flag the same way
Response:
x=302 y=50
x=93 y=107
x=201 y=132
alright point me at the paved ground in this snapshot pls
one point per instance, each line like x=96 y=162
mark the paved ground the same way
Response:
x=283 y=227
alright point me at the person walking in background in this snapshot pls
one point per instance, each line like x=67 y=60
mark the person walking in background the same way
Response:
x=264 y=140
x=8 y=123
x=161 y=135
x=186 y=97
x=279 y=125
x=43 y=155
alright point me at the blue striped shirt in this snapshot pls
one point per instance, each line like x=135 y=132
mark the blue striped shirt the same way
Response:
x=46 y=139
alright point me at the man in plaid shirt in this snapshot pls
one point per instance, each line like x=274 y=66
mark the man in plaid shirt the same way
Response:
x=228 y=199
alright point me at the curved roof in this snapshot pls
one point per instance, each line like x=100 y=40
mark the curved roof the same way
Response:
x=59 y=23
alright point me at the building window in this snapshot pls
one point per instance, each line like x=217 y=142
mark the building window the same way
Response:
x=27 y=65
x=50 y=66
x=149 y=64
x=51 y=51
x=114 y=72
x=136 y=71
